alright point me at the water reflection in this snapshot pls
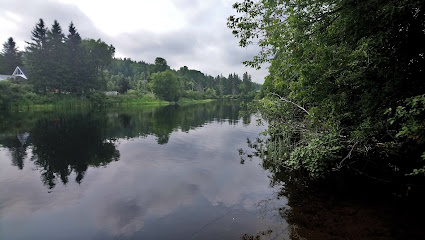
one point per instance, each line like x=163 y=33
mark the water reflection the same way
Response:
x=64 y=143
x=67 y=144
x=344 y=207
x=169 y=173
x=18 y=148
x=161 y=122
x=190 y=186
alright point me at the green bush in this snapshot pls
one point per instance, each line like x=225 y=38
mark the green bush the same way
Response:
x=97 y=99
x=14 y=94
x=193 y=95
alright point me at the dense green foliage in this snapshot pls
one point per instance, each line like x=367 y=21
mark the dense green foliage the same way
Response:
x=336 y=69
x=124 y=75
x=166 y=85
x=13 y=94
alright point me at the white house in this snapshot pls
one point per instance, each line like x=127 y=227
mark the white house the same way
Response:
x=111 y=93
x=19 y=72
x=4 y=77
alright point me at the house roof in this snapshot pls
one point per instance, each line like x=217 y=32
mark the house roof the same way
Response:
x=20 y=71
x=23 y=70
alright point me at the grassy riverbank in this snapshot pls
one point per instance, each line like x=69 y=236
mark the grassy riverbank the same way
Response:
x=21 y=97
x=184 y=101
x=65 y=101
x=49 y=101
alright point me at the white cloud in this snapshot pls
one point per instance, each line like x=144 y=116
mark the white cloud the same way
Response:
x=130 y=16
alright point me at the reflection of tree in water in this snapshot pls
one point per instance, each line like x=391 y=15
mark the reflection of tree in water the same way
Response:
x=70 y=144
x=18 y=148
x=18 y=156
x=170 y=118
x=340 y=208
x=161 y=122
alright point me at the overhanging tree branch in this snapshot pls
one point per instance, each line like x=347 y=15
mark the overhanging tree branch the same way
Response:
x=289 y=101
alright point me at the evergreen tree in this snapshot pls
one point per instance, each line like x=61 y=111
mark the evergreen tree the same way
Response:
x=246 y=85
x=224 y=86
x=56 y=58
x=124 y=85
x=74 y=76
x=2 y=64
x=11 y=56
x=73 y=38
x=39 y=35
x=36 y=56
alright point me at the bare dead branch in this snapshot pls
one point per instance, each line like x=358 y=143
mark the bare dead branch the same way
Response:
x=288 y=101
x=339 y=165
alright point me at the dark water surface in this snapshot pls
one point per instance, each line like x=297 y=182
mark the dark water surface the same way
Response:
x=152 y=173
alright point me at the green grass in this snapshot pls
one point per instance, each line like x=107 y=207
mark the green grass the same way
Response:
x=184 y=101
x=51 y=101
x=143 y=101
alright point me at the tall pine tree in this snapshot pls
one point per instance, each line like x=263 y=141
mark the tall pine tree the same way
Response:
x=246 y=85
x=11 y=56
x=74 y=77
x=35 y=60
x=55 y=58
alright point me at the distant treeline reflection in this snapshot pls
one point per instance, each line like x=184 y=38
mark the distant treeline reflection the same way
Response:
x=64 y=143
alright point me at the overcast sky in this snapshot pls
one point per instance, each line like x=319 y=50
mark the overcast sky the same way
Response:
x=189 y=33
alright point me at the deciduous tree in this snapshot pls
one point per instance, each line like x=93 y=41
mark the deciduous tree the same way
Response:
x=345 y=62
x=166 y=85
x=160 y=65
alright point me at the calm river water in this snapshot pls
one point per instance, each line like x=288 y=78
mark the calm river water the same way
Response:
x=173 y=172
x=152 y=173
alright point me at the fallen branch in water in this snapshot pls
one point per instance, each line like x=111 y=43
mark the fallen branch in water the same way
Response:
x=339 y=165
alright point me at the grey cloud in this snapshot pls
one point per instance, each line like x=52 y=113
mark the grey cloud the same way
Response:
x=36 y=9
x=149 y=45
x=211 y=52
x=206 y=44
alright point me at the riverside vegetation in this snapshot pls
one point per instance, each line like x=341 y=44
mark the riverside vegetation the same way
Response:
x=345 y=91
x=66 y=70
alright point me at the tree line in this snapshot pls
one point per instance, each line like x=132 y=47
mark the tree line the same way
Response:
x=140 y=77
x=66 y=63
